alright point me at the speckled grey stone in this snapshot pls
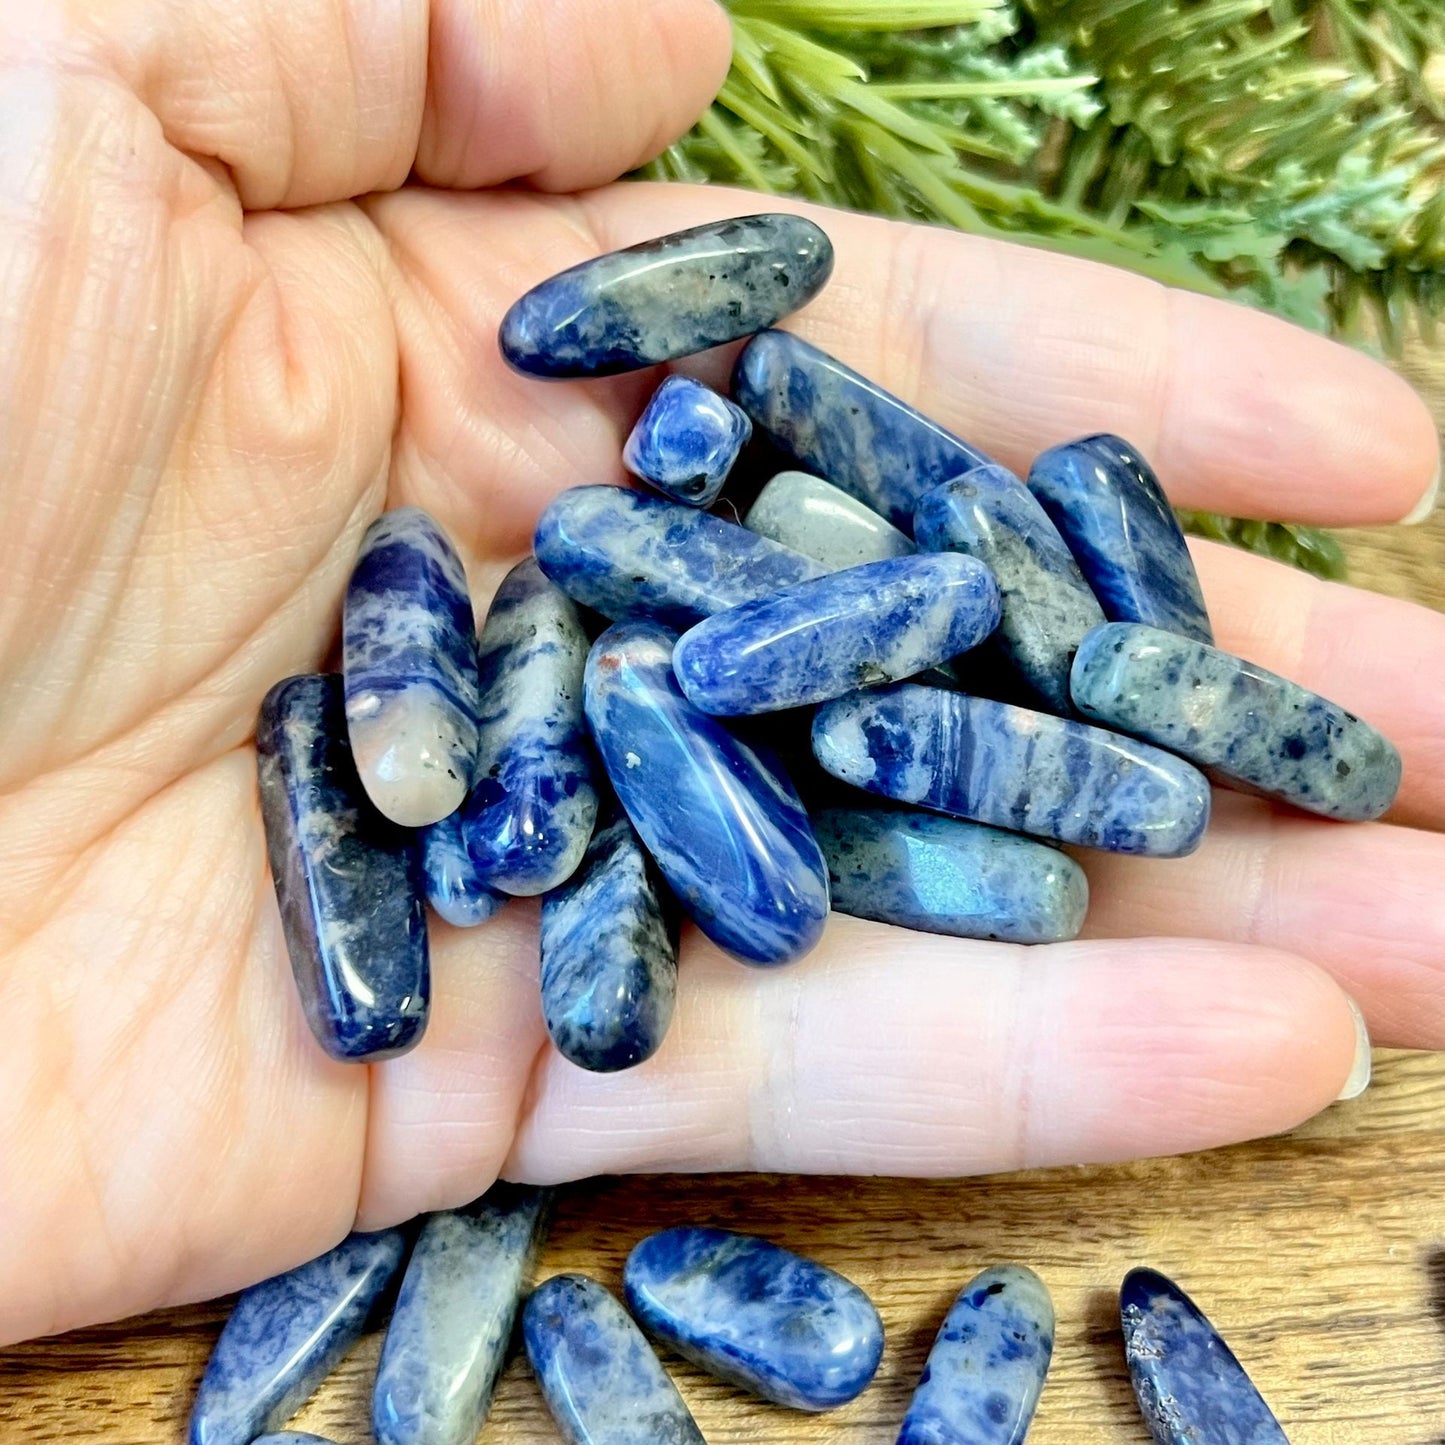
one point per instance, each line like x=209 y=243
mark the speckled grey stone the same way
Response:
x=823 y=522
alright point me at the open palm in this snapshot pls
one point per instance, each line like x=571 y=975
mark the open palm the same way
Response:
x=216 y=366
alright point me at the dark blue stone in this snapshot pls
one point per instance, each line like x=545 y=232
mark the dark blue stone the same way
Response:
x=761 y=1317
x=728 y=832
x=1109 y=507
x=686 y=441
x=286 y=1334
x=346 y=879
x=1190 y=1387
x=454 y=888
x=667 y=298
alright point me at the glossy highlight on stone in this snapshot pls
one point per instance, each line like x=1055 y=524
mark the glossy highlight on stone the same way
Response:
x=346 y=879
x=728 y=831
x=823 y=522
x=285 y=1335
x=600 y=1378
x=833 y=421
x=945 y=875
x=686 y=441
x=1109 y=507
x=1014 y=768
x=987 y=1367
x=777 y=1324
x=454 y=888
x=881 y=622
x=1244 y=724
x=1190 y=1387
x=668 y=297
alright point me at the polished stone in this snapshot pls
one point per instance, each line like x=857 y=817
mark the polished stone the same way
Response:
x=881 y=622
x=409 y=659
x=668 y=297
x=1190 y=1387
x=777 y=1324
x=1243 y=724
x=292 y=1437
x=987 y=1367
x=600 y=1378
x=448 y=1337
x=530 y=815
x=285 y=1334
x=686 y=441
x=823 y=522
x=454 y=888
x=628 y=555
x=1047 y=606
x=727 y=830
x=1014 y=768
x=846 y=428
x=945 y=875
x=1109 y=507
x=347 y=880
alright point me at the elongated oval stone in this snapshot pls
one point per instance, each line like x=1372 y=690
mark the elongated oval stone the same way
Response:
x=599 y=1376
x=454 y=888
x=628 y=555
x=1014 y=768
x=1190 y=1387
x=839 y=424
x=285 y=1335
x=786 y=1328
x=728 y=832
x=1109 y=507
x=877 y=623
x=667 y=298
x=1047 y=607
x=1246 y=725
x=528 y=819
x=346 y=879
x=944 y=875
x=823 y=522
x=292 y=1437
x=448 y=1337
x=686 y=441
x=986 y=1369
x=409 y=657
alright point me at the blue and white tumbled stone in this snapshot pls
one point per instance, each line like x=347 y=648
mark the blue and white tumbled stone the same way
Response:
x=728 y=831
x=987 y=1367
x=292 y=1437
x=531 y=812
x=686 y=441
x=1047 y=606
x=1109 y=507
x=823 y=522
x=844 y=427
x=1190 y=1387
x=454 y=888
x=777 y=1324
x=286 y=1334
x=449 y=1333
x=1014 y=768
x=600 y=1378
x=877 y=623
x=346 y=879
x=628 y=555
x=409 y=657
x=1244 y=724
x=667 y=298
x=945 y=875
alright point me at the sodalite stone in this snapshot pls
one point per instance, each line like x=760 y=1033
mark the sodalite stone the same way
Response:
x=530 y=815
x=599 y=1376
x=609 y=956
x=1014 y=768
x=844 y=427
x=877 y=623
x=346 y=879
x=454 y=888
x=1107 y=503
x=686 y=441
x=761 y=1317
x=667 y=298
x=1247 y=726
x=943 y=875
x=448 y=1337
x=1190 y=1387
x=986 y=1370
x=285 y=1335
x=1047 y=606
x=628 y=555
x=728 y=832
x=292 y=1437
x=823 y=522
x=409 y=657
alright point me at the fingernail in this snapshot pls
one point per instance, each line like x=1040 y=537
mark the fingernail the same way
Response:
x=1424 y=509
x=1359 y=1079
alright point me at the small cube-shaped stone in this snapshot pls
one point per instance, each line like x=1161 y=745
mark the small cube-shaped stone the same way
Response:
x=686 y=441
